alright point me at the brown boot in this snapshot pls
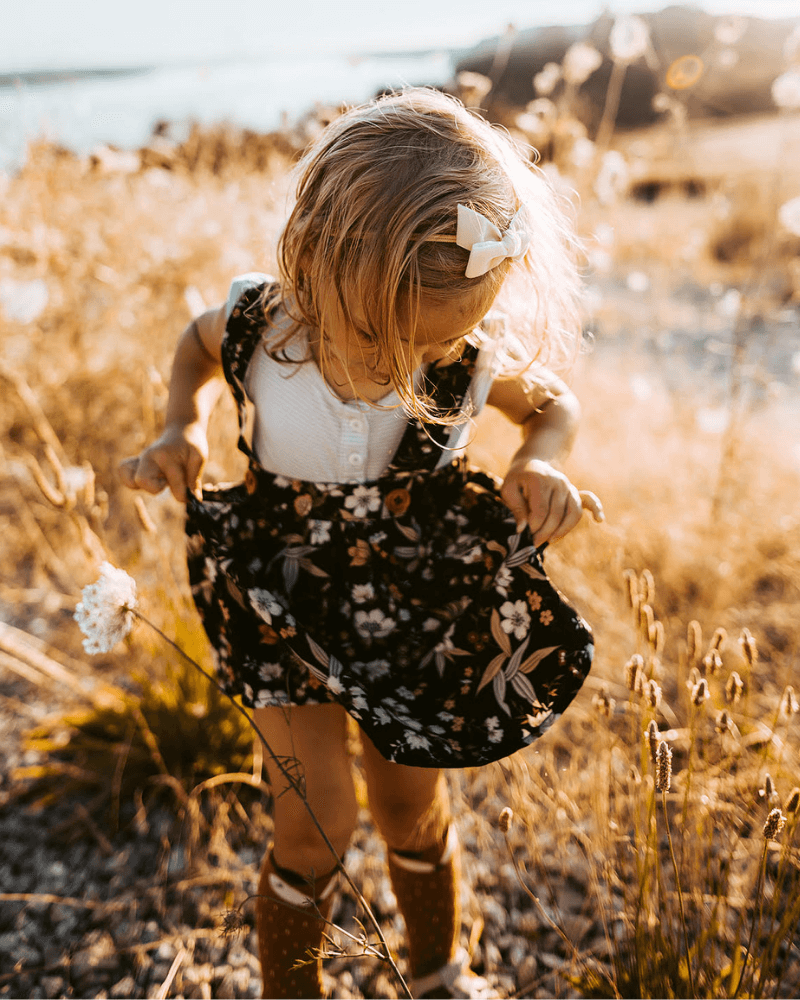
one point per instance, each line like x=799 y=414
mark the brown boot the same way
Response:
x=290 y=919
x=428 y=889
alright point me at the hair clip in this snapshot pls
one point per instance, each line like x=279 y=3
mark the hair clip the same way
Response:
x=487 y=245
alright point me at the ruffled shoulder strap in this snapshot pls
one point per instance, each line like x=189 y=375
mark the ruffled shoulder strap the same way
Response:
x=447 y=385
x=243 y=334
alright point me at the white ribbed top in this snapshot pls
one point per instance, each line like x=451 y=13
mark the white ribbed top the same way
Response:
x=303 y=430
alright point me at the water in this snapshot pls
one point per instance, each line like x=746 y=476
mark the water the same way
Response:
x=84 y=112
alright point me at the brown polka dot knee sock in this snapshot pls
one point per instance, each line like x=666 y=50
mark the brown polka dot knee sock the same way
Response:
x=290 y=915
x=428 y=890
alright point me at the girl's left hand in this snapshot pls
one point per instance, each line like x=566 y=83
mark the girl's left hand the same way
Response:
x=542 y=498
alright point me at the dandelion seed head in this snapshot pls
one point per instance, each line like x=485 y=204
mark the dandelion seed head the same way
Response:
x=663 y=767
x=776 y=821
x=232 y=923
x=789 y=216
x=580 y=61
x=505 y=819
x=786 y=90
x=700 y=692
x=545 y=81
x=629 y=39
x=105 y=612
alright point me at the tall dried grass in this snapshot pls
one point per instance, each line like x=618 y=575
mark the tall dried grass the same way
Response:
x=126 y=256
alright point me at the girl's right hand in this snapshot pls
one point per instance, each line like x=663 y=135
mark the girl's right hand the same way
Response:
x=175 y=459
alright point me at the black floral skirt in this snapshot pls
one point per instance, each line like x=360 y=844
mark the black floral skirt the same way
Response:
x=410 y=600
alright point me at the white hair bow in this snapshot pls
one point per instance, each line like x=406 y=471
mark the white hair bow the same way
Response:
x=487 y=245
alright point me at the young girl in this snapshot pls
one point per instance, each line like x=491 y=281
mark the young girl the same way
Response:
x=362 y=567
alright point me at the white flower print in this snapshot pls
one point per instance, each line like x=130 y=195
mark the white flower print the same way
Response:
x=374 y=669
x=430 y=624
x=502 y=580
x=361 y=702
x=495 y=732
x=264 y=604
x=269 y=671
x=266 y=698
x=320 y=531
x=363 y=592
x=335 y=686
x=403 y=692
x=417 y=742
x=373 y=624
x=515 y=618
x=382 y=716
x=363 y=500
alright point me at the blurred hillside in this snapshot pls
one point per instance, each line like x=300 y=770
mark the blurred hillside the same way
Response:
x=741 y=57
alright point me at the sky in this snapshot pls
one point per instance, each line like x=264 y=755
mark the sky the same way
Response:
x=57 y=34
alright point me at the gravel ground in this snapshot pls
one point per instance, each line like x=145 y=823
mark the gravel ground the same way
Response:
x=141 y=913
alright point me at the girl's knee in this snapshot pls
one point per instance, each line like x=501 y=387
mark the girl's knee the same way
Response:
x=411 y=822
x=299 y=844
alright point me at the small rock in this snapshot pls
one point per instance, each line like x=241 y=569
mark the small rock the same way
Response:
x=53 y=986
x=124 y=988
x=166 y=952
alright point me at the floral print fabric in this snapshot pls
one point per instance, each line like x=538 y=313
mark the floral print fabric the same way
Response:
x=411 y=600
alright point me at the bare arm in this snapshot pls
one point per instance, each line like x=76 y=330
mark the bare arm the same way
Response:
x=537 y=493
x=177 y=457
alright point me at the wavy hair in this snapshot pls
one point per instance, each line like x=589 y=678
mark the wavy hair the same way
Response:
x=375 y=195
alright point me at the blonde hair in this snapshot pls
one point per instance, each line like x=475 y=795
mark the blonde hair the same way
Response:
x=377 y=188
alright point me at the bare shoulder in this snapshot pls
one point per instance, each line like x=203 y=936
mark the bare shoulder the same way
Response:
x=210 y=327
x=533 y=390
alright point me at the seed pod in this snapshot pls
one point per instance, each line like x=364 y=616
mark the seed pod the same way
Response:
x=793 y=801
x=633 y=673
x=647 y=587
x=646 y=619
x=652 y=692
x=663 y=767
x=694 y=640
x=603 y=702
x=734 y=688
x=694 y=678
x=749 y=648
x=700 y=692
x=652 y=735
x=656 y=637
x=505 y=819
x=719 y=639
x=712 y=662
x=632 y=590
x=776 y=821
x=723 y=724
x=789 y=704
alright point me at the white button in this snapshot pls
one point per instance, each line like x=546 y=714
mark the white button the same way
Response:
x=355 y=459
x=356 y=425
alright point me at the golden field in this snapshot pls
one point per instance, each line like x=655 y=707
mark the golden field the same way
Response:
x=689 y=389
